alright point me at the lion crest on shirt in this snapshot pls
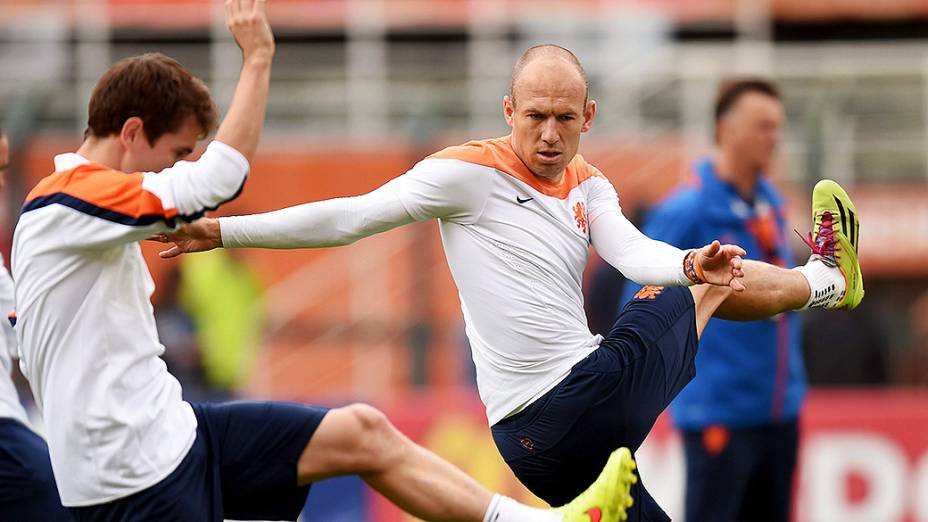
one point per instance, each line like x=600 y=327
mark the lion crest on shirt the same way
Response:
x=580 y=216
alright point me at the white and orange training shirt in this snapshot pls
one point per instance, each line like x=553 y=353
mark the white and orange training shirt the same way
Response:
x=114 y=417
x=517 y=246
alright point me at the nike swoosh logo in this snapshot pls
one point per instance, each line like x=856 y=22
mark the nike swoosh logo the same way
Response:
x=595 y=514
x=523 y=201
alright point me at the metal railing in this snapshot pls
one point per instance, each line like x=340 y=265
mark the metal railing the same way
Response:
x=858 y=111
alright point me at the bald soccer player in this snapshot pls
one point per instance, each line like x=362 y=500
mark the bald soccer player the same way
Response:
x=517 y=216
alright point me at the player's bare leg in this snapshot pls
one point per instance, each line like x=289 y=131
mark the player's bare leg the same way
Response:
x=359 y=440
x=769 y=290
x=758 y=290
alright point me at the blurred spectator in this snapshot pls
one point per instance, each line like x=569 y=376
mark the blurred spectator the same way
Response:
x=739 y=415
x=178 y=335
x=223 y=295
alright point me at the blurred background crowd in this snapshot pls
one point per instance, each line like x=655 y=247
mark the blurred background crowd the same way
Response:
x=362 y=89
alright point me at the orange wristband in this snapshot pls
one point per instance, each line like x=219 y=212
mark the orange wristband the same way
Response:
x=692 y=269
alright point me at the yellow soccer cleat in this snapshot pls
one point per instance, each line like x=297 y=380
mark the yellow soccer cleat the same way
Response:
x=836 y=230
x=609 y=496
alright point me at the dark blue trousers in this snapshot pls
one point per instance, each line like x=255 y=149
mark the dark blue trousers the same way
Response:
x=742 y=475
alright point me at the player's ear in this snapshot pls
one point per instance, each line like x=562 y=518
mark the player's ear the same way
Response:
x=132 y=130
x=589 y=113
x=509 y=109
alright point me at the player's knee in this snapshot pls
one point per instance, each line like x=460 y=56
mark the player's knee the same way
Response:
x=374 y=441
x=371 y=421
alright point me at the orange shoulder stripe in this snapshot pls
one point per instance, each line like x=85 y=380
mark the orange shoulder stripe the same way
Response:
x=497 y=153
x=103 y=192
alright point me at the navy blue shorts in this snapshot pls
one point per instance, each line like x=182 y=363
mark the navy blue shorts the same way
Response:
x=27 y=485
x=560 y=443
x=242 y=466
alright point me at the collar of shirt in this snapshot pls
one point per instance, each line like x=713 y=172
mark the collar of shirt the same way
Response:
x=69 y=160
x=726 y=203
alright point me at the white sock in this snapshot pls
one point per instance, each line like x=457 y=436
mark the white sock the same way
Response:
x=826 y=282
x=505 y=509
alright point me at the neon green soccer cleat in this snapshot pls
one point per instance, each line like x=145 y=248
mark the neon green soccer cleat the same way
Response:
x=835 y=235
x=609 y=496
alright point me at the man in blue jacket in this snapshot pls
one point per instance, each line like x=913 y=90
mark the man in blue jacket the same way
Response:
x=739 y=415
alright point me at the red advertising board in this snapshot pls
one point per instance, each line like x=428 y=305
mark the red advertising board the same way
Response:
x=864 y=455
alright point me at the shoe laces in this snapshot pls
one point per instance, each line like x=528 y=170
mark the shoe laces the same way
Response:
x=824 y=244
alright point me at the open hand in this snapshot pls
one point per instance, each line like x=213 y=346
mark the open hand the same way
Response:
x=196 y=237
x=721 y=265
x=247 y=21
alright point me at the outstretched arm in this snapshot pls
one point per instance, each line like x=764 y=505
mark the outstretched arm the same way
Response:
x=333 y=222
x=650 y=262
x=444 y=189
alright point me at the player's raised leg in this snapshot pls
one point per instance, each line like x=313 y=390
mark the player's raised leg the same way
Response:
x=360 y=440
x=831 y=279
x=769 y=290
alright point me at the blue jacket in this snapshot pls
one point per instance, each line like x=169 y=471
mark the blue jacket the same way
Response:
x=747 y=373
